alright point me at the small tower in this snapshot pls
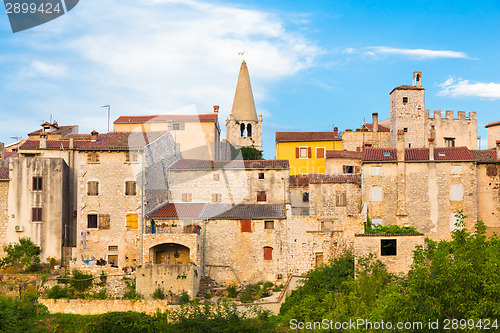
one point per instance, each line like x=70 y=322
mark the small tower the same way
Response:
x=408 y=113
x=243 y=128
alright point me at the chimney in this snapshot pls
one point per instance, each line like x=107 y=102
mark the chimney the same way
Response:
x=335 y=132
x=431 y=149
x=498 y=150
x=375 y=121
x=401 y=145
x=216 y=109
x=71 y=143
x=43 y=141
x=93 y=135
x=2 y=146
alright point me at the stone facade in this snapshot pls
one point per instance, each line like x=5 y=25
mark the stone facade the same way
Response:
x=173 y=278
x=493 y=134
x=4 y=213
x=356 y=140
x=460 y=131
x=488 y=183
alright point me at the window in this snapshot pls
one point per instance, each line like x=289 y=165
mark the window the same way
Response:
x=348 y=168
x=113 y=260
x=305 y=196
x=341 y=199
x=216 y=197
x=319 y=259
x=113 y=248
x=320 y=152
x=368 y=145
x=405 y=129
x=249 y=130
x=405 y=100
x=37 y=184
x=132 y=221
x=92 y=158
x=303 y=152
x=130 y=188
x=187 y=197
x=131 y=157
x=456 y=169
x=268 y=224
x=261 y=196
x=177 y=126
x=261 y=175
x=36 y=214
x=304 y=212
x=216 y=176
x=491 y=171
x=268 y=253
x=376 y=171
x=449 y=142
x=388 y=247
x=92 y=221
x=104 y=221
x=93 y=188
x=376 y=193
x=456 y=192
x=246 y=225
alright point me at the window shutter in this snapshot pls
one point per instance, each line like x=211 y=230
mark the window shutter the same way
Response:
x=320 y=153
x=89 y=157
x=268 y=253
x=264 y=196
x=297 y=152
x=132 y=220
x=308 y=152
x=492 y=171
x=357 y=169
x=127 y=157
x=246 y=225
x=35 y=183
x=104 y=221
x=170 y=126
x=344 y=169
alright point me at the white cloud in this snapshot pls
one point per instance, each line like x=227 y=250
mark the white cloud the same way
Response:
x=419 y=53
x=45 y=69
x=466 y=88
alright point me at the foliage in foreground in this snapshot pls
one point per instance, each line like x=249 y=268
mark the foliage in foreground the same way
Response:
x=25 y=255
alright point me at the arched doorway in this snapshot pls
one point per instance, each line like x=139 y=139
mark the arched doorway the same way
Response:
x=170 y=254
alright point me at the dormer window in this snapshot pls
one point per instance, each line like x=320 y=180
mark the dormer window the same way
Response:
x=46 y=128
x=441 y=154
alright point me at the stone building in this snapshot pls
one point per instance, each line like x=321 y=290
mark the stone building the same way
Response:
x=197 y=136
x=52 y=131
x=376 y=134
x=4 y=200
x=343 y=162
x=493 y=134
x=243 y=127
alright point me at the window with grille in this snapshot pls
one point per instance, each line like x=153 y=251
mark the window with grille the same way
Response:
x=92 y=221
x=130 y=188
x=113 y=248
x=93 y=188
x=37 y=184
x=216 y=197
x=132 y=221
x=268 y=253
x=92 y=158
x=341 y=199
x=186 y=197
x=261 y=196
x=36 y=214
x=246 y=225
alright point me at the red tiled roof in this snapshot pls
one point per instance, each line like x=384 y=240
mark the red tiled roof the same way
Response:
x=485 y=156
x=9 y=153
x=299 y=180
x=419 y=154
x=377 y=154
x=106 y=141
x=77 y=136
x=187 y=164
x=357 y=155
x=59 y=130
x=4 y=173
x=244 y=211
x=179 y=211
x=165 y=118
x=333 y=179
x=380 y=127
x=496 y=123
x=407 y=87
x=305 y=136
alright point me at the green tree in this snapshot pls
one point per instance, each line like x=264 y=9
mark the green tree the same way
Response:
x=25 y=255
x=251 y=153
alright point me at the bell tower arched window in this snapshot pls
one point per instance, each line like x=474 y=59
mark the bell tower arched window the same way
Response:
x=242 y=130
x=249 y=130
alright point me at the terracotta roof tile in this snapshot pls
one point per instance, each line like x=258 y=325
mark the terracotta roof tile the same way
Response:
x=333 y=179
x=59 y=130
x=380 y=127
x=305 y=136
x=419 y=154
x=357 y=155
x=187 y=164
x=106 y=141
x=299 y=180
x=407 y=87
x=380 y=154
x=178 y=211
x=4 y=173
x=236 y=212
x=9 y=154
x=496 y=123
x=165 y=118
x=485 y=156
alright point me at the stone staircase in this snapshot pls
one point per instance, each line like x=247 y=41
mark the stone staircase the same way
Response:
x=206 y=283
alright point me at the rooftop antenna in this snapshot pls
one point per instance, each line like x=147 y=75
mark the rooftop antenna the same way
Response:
x=17 y=146
x=109 y=109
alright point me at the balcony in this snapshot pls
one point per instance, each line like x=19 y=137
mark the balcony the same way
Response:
x=173 y=227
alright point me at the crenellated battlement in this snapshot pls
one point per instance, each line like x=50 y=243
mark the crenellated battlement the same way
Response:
x=449 y=115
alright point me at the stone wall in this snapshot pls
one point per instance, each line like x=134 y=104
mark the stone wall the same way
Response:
x=365 y=244
x=233 y=133
x=488 y=184
x=410 y=115
x=4 y=213
x=356 y=140
x=336 y=165
x=493 y=136
x=323 y=199
x=170 y=278
x=463 y=130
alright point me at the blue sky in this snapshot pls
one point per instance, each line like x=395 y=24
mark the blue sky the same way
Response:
x=312 y=63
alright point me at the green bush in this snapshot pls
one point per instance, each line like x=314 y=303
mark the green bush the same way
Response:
x=25 y=255
x=159 y=293
x=103 y=278
x=57 y=292
x=231 y=291
x=130 y=291
x=81 y=281
x=101 y=294
x=184 y=299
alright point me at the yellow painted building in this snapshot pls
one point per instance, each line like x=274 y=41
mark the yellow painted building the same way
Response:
x=306 y=151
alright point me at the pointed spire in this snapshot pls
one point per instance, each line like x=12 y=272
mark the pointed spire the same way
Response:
x=243 y=104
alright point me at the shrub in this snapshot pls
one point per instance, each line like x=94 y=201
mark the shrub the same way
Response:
x=130 y=291
x=81 y=281
x=24 y=254
x=231 y=291
x=184 y=299
x=57 y=292
x=101 y=294
x=159 y=293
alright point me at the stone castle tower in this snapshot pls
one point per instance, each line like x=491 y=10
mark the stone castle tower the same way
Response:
x=408 y=114
x=243 y=128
